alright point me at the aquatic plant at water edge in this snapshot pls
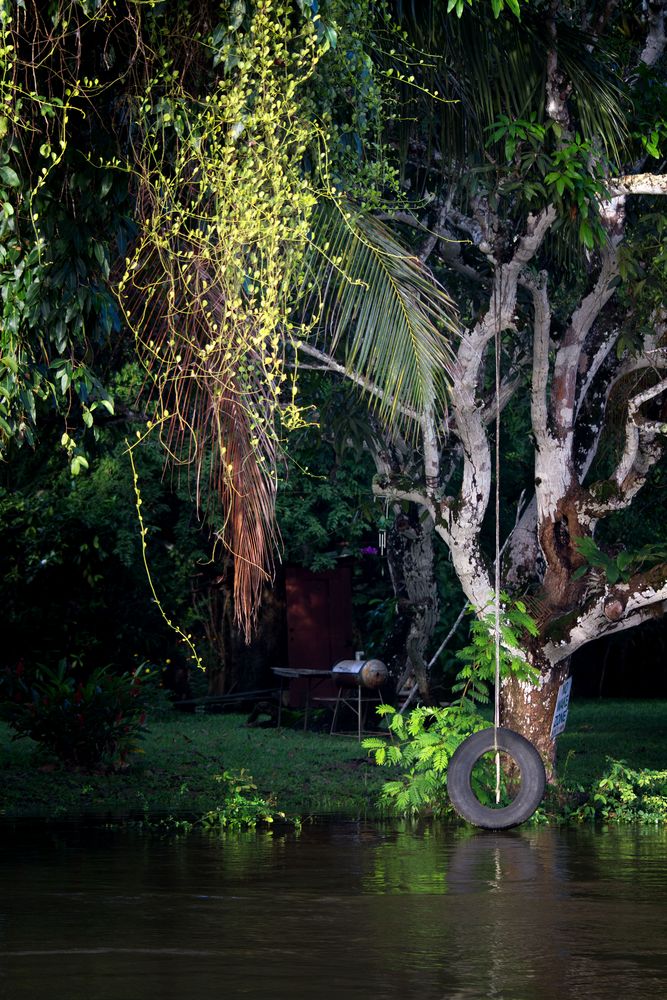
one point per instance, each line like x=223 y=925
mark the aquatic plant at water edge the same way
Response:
x=626 y=795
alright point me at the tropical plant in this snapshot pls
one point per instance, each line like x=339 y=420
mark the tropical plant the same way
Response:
x=483 y=655
x=92 y=721
x=271 y=233
x=626 y=795
x=423 y=741
x=421 y=747
x=530 y=194
x=73 y=578
x=241 y=807
x=620 y=567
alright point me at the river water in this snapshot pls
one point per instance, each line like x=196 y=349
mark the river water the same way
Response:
x=339 y=909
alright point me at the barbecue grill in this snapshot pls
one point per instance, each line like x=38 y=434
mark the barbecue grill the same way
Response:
x=363 y=675
x=360 y=673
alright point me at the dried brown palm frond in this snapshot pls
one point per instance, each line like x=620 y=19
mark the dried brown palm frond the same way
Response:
x=215 y=407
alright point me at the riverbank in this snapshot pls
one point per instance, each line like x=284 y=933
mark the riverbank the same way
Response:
x=181 y=769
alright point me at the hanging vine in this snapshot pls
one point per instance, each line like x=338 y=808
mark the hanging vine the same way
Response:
x=249 y=164
x=225 y=208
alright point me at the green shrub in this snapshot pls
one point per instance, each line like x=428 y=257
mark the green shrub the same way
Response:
x=240 y=807
x=424 y=743
x=85 y=722
x=623 y=795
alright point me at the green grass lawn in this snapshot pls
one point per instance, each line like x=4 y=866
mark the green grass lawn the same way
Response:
x=302 y=773
x=631 y=731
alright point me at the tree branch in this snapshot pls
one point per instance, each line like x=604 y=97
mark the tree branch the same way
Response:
x=502 y=301
x=655 y=38
x=558 y=89
x=634 y=431
x=642 y=598
x=542 y=329
x=642 y=450
x=566 y=369
x=601 y=354
x=604 y=374
x=393 y=488
x=330 y=364
x=637 y=184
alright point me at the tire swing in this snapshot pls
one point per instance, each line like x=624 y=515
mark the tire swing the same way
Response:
x=460 y=769
x=496 y=738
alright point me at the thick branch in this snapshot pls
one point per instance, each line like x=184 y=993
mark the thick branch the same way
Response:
x=391 y=487
x=502 y=302
x=567 y=365
x=655 y=360
x=601 y=354
x=464 y=521
x=557 y=87
x=644 y=597
x=431 y=451
x=472 y=227
x=542 y=328
x=603 y=375
x=637 y=184
x=655 y=39
x=633 y=431
x=554 y=458
x=642 y=450
x=524 y=560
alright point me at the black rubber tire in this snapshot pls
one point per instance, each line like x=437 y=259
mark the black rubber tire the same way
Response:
x=531 y=791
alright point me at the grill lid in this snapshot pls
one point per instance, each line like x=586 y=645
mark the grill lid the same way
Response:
x=360 y=673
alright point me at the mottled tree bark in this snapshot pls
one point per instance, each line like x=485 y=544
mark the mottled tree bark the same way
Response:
x=528 y=709
x=576 y=362
x=411 y=560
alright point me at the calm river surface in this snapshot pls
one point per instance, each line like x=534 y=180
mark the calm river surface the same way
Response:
x=342 y=909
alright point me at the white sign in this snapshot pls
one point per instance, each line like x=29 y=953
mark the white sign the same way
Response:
x=562 y=705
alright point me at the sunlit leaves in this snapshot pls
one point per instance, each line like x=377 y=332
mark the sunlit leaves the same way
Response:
x=382 y=310
x=209 y=291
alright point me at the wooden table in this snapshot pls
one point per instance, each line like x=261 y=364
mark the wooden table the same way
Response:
x=313 y=678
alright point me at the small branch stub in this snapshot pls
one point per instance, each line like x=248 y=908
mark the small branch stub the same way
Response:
x=613 y=608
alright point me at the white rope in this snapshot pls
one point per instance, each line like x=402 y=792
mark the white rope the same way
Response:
x=496 y=584
x=519 y=511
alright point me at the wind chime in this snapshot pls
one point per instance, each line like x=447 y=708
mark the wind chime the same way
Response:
x=382 y=533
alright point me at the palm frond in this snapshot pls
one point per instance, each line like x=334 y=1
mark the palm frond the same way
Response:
x=214 y=412
x=380 y=310
x=486 y=67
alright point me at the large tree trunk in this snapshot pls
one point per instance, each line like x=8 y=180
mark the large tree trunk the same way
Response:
x=411 y=563
x=580 y=369
x=219 y=626
x=528 y=709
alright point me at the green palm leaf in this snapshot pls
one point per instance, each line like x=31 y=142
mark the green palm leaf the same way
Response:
x=380 y=310
x=485 y=67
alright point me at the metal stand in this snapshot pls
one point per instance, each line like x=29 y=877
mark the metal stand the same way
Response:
x=356 y=705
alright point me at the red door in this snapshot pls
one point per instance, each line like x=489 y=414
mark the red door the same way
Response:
x=319 y=623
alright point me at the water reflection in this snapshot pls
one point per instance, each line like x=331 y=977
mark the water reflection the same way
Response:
x=346 y=909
